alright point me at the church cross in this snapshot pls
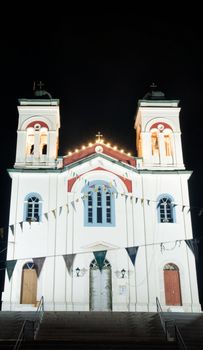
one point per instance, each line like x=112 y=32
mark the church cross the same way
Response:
x=99 y=137
x=40 y=85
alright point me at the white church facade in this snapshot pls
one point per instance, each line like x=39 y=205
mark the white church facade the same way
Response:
x=100 y=229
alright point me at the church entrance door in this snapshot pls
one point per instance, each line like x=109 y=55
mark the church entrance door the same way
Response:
x=172 y=285
x=100 y=287
x=29 y=284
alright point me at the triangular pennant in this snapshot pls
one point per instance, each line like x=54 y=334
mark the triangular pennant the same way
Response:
x=69 y=258
x=46 y=215
x=73 y=205
x=67 y=208
x=114 y=181
x=100 y=257
x=142 y=200
x=193 y=245
x=148 y=201
x=54 y=212
x=136 y=199
x=60 y=210
x=12 y=228
x=132 y=252
x=39 y=262
x=10 y=265
x=21 y=225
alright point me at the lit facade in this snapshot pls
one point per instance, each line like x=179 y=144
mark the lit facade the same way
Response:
x=99 y=229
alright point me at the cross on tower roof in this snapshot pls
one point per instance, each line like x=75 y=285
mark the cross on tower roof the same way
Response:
x=99 y=137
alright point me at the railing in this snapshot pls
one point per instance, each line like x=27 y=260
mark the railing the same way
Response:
x=160 y=312
x=179 y=338
x=20 y=337
x=38 y=316
x=29 y=328
x=170 y=328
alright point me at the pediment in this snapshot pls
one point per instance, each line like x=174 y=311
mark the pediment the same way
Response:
x=100 y=245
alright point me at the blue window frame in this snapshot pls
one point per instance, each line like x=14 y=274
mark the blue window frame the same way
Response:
x=166 y=209
x=99 y=204
x=33 y=207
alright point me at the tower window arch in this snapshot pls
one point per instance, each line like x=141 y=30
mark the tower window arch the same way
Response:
x=166 y=209
x=37 y=140
x=99 y=204
x=32 y=207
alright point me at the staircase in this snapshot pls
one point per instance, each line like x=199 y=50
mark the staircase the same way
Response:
x=10 y=326
x=190 y=326
x=90 y=330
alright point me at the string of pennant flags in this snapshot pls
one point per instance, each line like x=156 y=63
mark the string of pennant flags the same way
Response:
x=97 y=188
x=83 y=196
x=99 y=256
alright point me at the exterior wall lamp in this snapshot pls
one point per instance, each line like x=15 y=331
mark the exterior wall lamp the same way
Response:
x=77 y=272
x=123 y=271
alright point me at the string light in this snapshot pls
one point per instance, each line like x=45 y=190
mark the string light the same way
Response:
x=90 y=144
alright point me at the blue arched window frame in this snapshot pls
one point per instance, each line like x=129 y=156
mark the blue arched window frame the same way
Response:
x=33 y=207
x=166 y=209
x=99 y=204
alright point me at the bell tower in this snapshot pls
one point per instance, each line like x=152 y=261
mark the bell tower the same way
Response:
x=38 y=131
x=158 y=135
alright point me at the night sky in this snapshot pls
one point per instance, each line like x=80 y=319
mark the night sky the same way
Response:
x=99 y=66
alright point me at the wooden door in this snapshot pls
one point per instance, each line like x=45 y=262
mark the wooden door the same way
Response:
x=172 y=287
x=29 y=286
x=100 y=288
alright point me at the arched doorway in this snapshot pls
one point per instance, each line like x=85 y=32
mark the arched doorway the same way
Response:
x=100 y=287
x=29 y=284
x=172 y=285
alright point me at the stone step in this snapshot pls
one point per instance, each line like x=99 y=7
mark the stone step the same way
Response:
x=110 y=345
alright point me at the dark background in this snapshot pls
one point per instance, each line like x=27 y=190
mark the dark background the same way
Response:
x=99 y=66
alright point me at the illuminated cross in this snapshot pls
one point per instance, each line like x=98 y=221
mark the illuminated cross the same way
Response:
x=40 y=84
x=99 y=137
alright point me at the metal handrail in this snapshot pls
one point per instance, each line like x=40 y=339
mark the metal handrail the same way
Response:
x=20 y=337
x=38 y=316
x=36 y=322
x=179 y=338
x=170 y=325
x=160 y=312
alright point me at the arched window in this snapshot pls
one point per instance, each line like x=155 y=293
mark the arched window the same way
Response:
x=36 y=143
x=166 y=211
x=99 y=204
x=32 y=207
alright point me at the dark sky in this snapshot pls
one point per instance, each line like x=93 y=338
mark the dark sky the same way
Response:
x=99 y=66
